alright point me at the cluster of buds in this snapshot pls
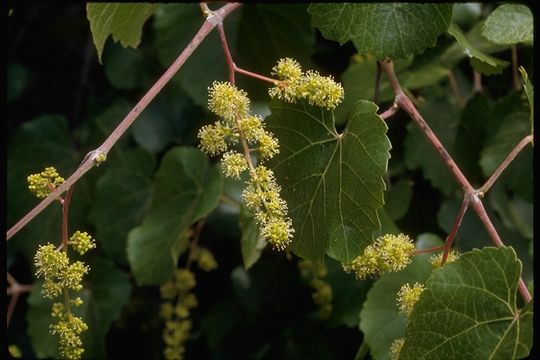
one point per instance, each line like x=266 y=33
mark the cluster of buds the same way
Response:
x=60 y=277
x=43 y=183
x=436 y=260
x=322 y=297
x=408 y=297
x=294 y=84
x=178 y=302
x=237 y=125
x=395 y=348
x=389 y=253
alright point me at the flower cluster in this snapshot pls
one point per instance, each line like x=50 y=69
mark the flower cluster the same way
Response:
x=294 y=84
x=436 y=260
x=262 y=194
x=395 y=348
x=69 y=329
x=43 y=183
x=389 y=253
x=60 y=276
x=315 y=273
x=82 y=242
x=205 y=259
x=176 y=313
x=408 y=297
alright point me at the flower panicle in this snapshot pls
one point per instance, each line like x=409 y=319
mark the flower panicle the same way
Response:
x=389 y=253
x=43 y=183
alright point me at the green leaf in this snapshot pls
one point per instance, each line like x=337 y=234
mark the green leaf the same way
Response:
x=469 y=308
x=529 y=91
x=387 y=30
x=251 y=243
x=123 y=21
x=398 y=199
x=519 y=174
x=106 y=291
x=17 y=80
x=128 y=68
x=442 y=117
x=174 y=26
x=37 y=144
x=122 y=195
x=269 y=32
x=186 y=188
x=332 y=181
x=509 y=24
x=380 y=319
x=483 y=63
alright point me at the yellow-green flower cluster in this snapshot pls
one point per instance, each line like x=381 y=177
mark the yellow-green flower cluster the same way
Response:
x=322 y=297
x=436 y=260
x=43 y=183
x=395 y=348
x=58 y=273
x=205 y=259
x=14 y=351
x=408 y=297
x=82 y=242
x=237 y=124
x=179 y=300
x=69 y=329
x=389 y=253
x=318 y=90
x=262 y=197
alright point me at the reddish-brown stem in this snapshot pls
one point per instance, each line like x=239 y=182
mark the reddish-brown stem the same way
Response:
x=390 y=112
x=11 y=307
x=471 y=195
x=228 y=56
x=457 y=223
x=65 y=217
x=477 y=78
x=406 y=104
x=509 y=158
x=430 y=250
x=377 y=83
x=255 y=75
x=212 y=20
x=515 y=65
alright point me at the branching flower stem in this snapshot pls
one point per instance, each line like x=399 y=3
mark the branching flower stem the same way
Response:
x=471 y=195
x=15 y=289
x=215 y=18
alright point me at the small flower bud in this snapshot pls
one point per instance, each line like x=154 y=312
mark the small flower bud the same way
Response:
x=395 y=348
x=82 y=242
x=42 y=184
x=436 y=260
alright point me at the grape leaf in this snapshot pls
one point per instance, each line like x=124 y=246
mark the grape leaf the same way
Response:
x=419 y=152
x=251 y=242
x=122 y=194
x=469 y=308
x=123 y=21
x=380 y=319
x=186 y=188
x=398 y=199
x=509 y=24
x=483 y=63
x=106 y=291
x=332 y=181
x=393 y=30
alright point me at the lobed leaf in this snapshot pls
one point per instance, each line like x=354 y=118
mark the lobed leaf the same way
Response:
x=469 y=310
x=509 y=24
x=481 y=62
x=123 y=21
x=332 y=181
x=252 y=244
x=186 y=188
x=393 y=30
